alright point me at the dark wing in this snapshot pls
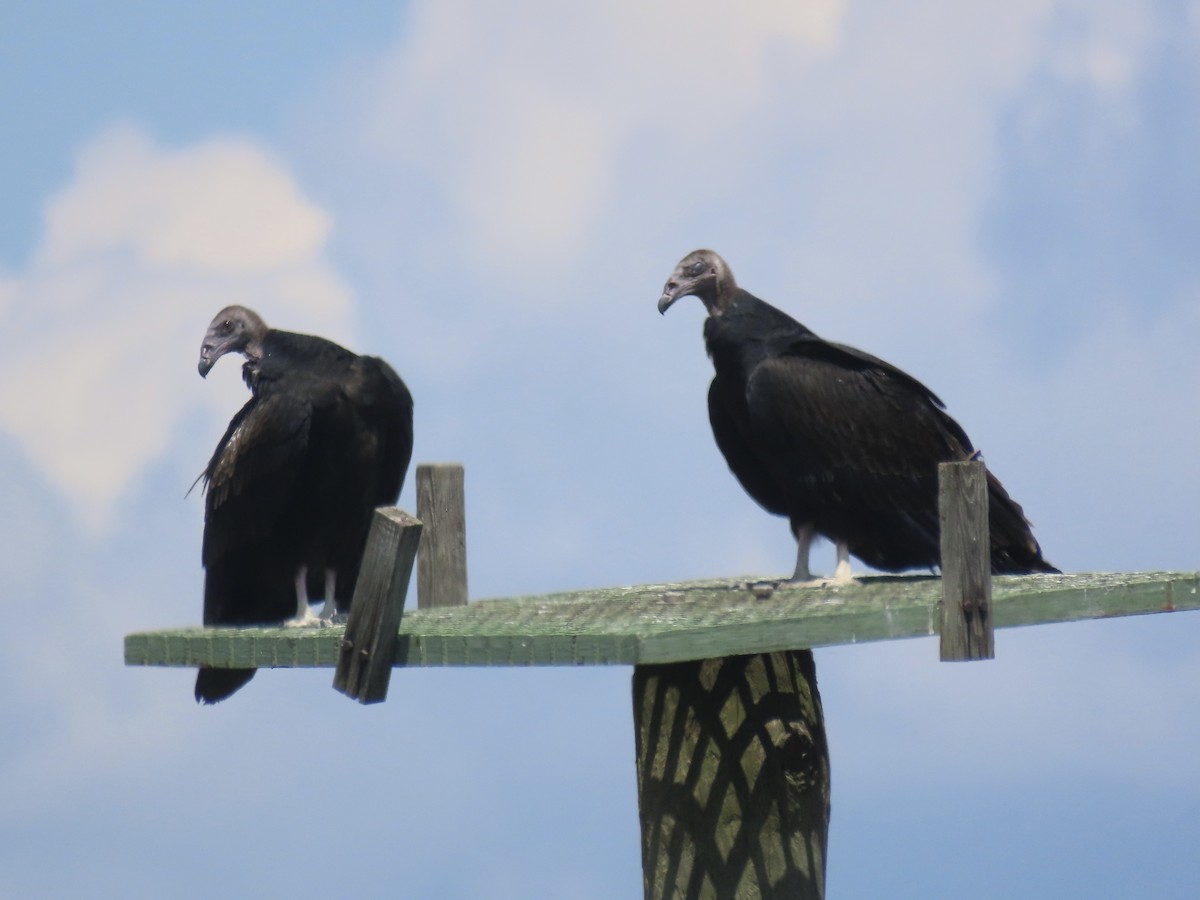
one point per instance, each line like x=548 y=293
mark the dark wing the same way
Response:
x=734 y=436
x=364 y=423
x=845 y=356
x=843 y=413
x=249 y=564
x=854 y=444
x=386 y=407
x=860 y=441
x=249 y=483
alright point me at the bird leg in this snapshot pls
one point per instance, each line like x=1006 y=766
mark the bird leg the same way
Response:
x=804 y=536
x=802 y=577
x=329 y=610
x=303 y=615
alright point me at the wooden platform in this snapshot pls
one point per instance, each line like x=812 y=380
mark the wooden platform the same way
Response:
x=660 y=623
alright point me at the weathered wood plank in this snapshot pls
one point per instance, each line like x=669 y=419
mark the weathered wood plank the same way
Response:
x=967 y=630
x=442 y=561
x=676 y=622
x=368 y=646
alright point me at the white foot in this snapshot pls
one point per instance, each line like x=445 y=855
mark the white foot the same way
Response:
x=303 y=620
x=841 y=576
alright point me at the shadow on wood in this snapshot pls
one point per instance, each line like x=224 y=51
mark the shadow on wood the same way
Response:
x=733 y=777
x=368 y=649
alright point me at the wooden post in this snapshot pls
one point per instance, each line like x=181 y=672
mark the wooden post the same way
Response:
x=967 y=631
x=442 y=562
x=733 y=777
x=368 y=650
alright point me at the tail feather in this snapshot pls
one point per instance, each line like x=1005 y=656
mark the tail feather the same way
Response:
x=214 y=685
x=1015 y=551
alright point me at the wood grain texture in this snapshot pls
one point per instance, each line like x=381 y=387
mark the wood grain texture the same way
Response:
x=368 y=646
x=675 y=622
x=442 y=561
x=967 y=630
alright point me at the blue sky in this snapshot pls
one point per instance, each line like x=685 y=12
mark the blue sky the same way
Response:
x=999 y=198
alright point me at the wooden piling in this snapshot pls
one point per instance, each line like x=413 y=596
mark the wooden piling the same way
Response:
x=368 y=650
x=733 y=777
x=967 y=630
x=442 y=561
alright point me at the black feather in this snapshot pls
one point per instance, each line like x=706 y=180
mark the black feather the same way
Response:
x=324 y=439
x=834 y=438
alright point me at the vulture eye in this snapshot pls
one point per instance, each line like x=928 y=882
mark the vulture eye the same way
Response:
x=696 y=268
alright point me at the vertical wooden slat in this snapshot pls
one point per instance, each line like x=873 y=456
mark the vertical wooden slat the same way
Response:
x=442 y=562
x=369 y=648
x=967 y=631
x=733 y=777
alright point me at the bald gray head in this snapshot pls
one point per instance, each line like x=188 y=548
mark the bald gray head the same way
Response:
x=235 y=329
x=703 y=274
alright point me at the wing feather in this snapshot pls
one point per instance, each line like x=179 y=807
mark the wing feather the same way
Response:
x=387 y=408
x=734 y=437
x=253 y=471
x=842 y=419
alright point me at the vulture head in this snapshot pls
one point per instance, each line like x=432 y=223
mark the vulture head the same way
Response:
x=703 y=274
x=234 y=330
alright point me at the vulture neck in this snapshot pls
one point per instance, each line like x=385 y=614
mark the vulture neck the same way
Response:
x=253 y=353
x=719 y=294
x=747 y=331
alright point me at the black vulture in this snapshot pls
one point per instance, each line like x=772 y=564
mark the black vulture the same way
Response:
x=325 y=437
x=839 y=441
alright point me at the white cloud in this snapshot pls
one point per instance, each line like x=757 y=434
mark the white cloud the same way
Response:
x=531 y=140
x=102 y=329
x=223 y=205
x=845 y=165
x=1117 y=421
x=1102 y=45
x=1098 y=50
x=519 y=114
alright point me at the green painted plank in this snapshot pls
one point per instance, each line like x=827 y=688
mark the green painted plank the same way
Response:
x=675 y=622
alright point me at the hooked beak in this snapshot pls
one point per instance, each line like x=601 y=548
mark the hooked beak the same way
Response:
x=207 y=359
x=211 y=350
x=672 y=291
